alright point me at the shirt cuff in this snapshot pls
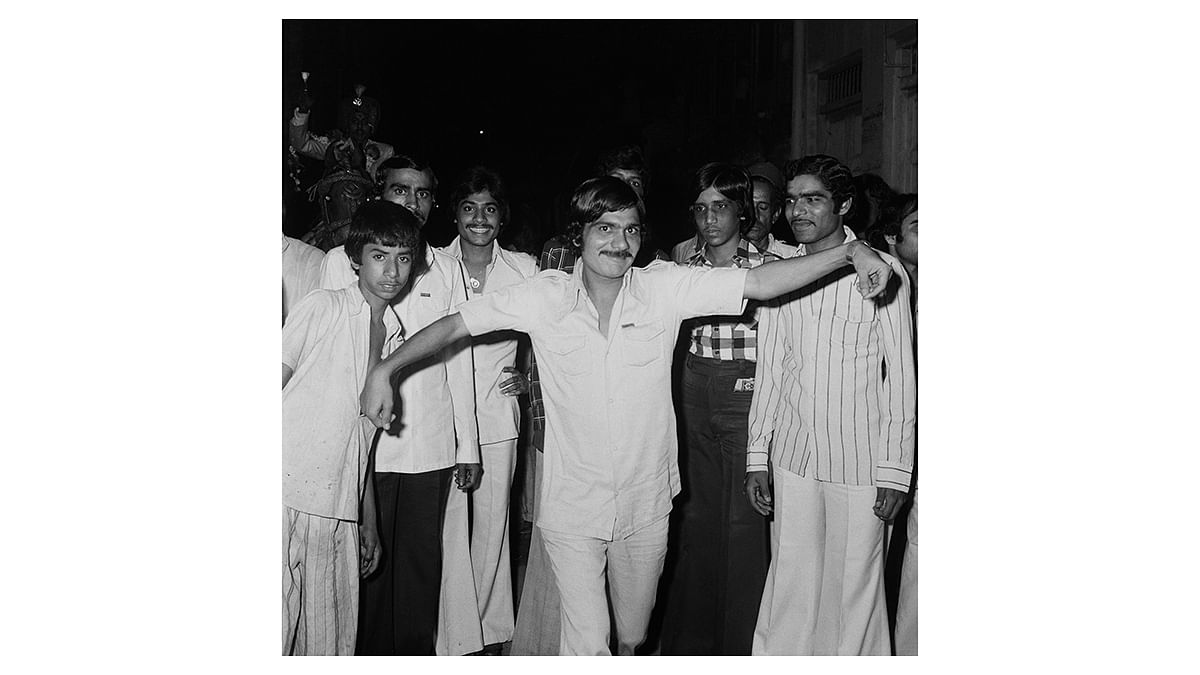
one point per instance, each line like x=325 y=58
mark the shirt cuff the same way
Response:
x=299 y=119
x=893 y=475
x=757 y=459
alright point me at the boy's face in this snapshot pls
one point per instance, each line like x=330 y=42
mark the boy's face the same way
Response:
x=632 y=178
x=411 y=189
x=610 y=243
x=716 y=217
x=810 y=211
x=384 y=271
x=478 y=218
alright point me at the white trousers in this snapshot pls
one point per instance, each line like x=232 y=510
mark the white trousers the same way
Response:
x=906 y=606
x=320 y=585
x=824 y=593
x=632 y=566
x=491 y=558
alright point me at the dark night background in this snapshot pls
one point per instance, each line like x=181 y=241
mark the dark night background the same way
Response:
x=550 y=96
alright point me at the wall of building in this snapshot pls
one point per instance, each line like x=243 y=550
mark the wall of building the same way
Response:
x=859 y=101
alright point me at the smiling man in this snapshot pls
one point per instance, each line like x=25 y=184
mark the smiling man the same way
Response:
x=481 y=210
x=604 y=335
x=835 y=433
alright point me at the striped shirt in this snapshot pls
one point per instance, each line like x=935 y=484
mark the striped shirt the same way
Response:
x=822 y=404
x=727 y=338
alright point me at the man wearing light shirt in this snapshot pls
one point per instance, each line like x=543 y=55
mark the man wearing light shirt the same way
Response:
x=604 y=336
x=480 y=203
x=433 y=438
x=838 y=436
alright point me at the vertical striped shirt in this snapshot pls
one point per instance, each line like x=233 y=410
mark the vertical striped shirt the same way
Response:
x=727 y=338
x=822 y=405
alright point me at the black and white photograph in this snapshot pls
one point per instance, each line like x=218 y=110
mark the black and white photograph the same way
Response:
x=598 y=335
x=630 y=325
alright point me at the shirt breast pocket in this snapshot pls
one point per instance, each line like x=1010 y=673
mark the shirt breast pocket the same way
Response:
x=644 y=343
x=852 y=336
x=569 y=355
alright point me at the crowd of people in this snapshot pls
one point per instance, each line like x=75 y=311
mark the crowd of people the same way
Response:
x=735 y=418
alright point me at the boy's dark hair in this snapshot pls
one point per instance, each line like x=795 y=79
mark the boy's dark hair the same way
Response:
x=477 y=179
x=732 y=181
x=596 y=197
x=402 y=162
x=893 y=213
x=385 y=224
x=628 y=157
x=834 y=175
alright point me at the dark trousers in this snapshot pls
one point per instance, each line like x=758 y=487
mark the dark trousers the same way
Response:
x=724 y=546
x=398 y=605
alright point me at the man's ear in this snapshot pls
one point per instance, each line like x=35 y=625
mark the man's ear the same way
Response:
x=890 y=239
x=846 y=206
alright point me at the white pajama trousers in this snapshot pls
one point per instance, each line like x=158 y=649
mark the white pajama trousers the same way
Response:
x=906 y=605
x=824 y=593
x=632 y=566
x=320 y=585
x=491 y=557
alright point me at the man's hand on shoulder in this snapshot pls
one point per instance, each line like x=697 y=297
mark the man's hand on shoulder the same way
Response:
x=873 y=271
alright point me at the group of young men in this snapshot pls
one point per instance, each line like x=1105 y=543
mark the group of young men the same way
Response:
x=796 y=411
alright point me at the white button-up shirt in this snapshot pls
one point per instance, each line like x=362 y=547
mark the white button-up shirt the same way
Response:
x=435 y=424
x=499 y=415
x=611 y=451
x=326 y=343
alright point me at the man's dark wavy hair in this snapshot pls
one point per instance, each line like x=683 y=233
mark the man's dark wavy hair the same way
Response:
x=596 y=197
x=477 y=179
x=834 y=175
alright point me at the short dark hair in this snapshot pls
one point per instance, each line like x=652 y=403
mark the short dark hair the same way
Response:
x=628 y=157
x=477 y=179
x=732 y=181
x=401 y=162
x=385 y=224
x=834 y=175
x=893 y=213
x=596 y=197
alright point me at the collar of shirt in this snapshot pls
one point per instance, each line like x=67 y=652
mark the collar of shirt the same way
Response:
x=803 y=250
x=576 y=290
x=747 y=256
x=454 y=248
x=285 y=242
x=391 y=320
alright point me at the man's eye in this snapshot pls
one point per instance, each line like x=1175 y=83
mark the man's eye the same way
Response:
x=405 y=259
x=636 y=229
x=491 y=209
x=423 y=194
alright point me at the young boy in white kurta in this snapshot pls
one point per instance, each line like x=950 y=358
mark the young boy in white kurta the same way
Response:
x=330 y=340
